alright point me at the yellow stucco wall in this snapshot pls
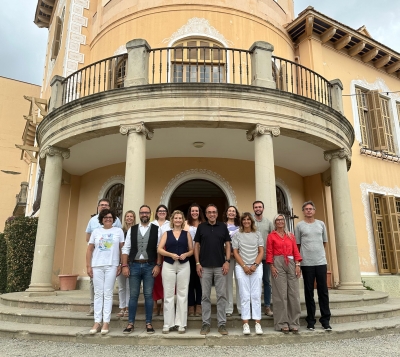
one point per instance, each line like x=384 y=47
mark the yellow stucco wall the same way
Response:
x=13 y=107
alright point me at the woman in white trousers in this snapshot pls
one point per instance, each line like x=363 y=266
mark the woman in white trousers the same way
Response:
x=248 y=250
x=176 y=247
x=103 y=265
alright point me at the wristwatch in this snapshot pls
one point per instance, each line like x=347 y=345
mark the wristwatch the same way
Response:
x=228 y=260
x=256 y=264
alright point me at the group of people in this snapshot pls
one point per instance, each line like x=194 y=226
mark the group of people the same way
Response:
x=185 y=255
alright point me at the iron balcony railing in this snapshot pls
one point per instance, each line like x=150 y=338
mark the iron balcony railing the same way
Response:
x=202 y=64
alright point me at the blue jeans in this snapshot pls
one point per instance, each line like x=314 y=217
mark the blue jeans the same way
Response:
x=138 y=273
x=267 y=283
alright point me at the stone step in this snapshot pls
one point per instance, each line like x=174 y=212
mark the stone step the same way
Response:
x=391 y=308
x=192 y=337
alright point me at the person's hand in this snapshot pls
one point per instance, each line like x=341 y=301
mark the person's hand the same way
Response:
x=225 y=268
x=183 y=256
x=125 y=272
x=246 y=270
x=90 y=272
x=298 y=271
x=156 y=271
x=199 y=270
x=253 y=268
x=175 y=256
x=119 y=269
x=274 y=271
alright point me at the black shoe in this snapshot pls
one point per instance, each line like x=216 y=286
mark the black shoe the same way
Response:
x=205 y=329
x=128 y=329
x=150 y=329
x=310 y=327
x=327 y=328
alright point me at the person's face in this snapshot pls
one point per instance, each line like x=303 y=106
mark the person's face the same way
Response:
x=162 y=213
x=258 y=209
x=144 y=215
x=280 y=222
x=212 y=214
x=178 y=221
x=231 y=213
x=309 y=211
x=129 y=218
x=108 y=220
x=246 y=222
x=103 y=205
x=194 y=212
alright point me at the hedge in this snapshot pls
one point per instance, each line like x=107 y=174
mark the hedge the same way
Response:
x=20 y=236
x=3 y=264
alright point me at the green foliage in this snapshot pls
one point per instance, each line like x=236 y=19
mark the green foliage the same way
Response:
x=20 y=236
x=3 y=264
x=366 y=286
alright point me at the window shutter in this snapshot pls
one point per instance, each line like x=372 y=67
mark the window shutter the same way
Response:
x=393 y=232
x=379 y=234
x=377 y=123
x=362 y=106
x=388 y=235
x=57 y=38
x=387 y=125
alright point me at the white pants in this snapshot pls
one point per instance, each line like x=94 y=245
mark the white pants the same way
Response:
x=229 y=289
x=103 y=282
x=178 y=275
x=250 y=292
x=123 y=291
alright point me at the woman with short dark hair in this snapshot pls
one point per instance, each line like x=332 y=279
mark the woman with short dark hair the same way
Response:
x=103 y=265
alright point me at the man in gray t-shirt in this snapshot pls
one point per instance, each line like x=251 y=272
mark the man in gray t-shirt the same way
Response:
x=311 y=239
x=264 y=226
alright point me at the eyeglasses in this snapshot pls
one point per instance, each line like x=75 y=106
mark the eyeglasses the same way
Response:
x=162 y=211
x=108 y=217
x=308 y=209
x=144 y=213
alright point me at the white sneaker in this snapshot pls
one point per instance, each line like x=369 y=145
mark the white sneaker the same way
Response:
x=259 y=330
x=165 y=329
x=246 y=329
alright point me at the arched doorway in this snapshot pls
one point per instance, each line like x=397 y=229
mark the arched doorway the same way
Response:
x=202 y=192
x=116 y=196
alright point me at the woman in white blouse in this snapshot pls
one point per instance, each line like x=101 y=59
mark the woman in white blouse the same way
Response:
x=103 y=265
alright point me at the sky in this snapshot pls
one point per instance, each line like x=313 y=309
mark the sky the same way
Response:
x=23 y=44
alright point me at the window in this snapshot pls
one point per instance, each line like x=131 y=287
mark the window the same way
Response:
x=375 y=121
x=116 y=196
x=55 y=49
x=385 y=212
x=398 y=111
x=120 y=73
x=205 y=62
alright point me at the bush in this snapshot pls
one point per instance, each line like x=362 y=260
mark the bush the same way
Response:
x=20 y=236
x=3 y=264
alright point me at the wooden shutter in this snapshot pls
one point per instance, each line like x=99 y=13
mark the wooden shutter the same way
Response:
x=387 y=125
x=379 y=233
x=377 y=122
x=398 y=111
x=393 y=233
x=388 y=234
x=362 y=115
x=57 y=38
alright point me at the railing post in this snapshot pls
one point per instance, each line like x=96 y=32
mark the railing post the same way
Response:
x=138 y=63
x=261 y=65
x=336 y=95
x=57 y=90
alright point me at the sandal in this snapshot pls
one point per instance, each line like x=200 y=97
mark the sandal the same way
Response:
x=129 y=328
x=149 y=328
x=285 y=330
x=126 y=313
x=294 y=330
x=121 y=313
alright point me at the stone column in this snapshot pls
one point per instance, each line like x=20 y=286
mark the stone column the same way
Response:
x=336 y=95
x=261 y=65
x=57 y=91
x=138 y=63
x=264 y=166
x=42 y=269
x=345 y=233
x=135 y=169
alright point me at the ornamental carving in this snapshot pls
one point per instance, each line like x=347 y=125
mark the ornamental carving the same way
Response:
x=194 y=174
x=262 y=130
x=54 y=151
x=337 y=154
x=138 y=128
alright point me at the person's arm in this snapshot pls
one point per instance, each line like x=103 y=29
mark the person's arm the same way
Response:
x=87 y=237
x=161 y=248
x=199 y=268
x=125 y=250
x=324 y=234
x=297 y=234
x=189 y=253
x=89 y=254
x=258 y=260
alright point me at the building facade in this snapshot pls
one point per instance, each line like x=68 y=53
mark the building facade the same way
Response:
x=170 y=102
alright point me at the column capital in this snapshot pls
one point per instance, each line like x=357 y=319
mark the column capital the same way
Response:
x=262 y=130
x=138 y=128
x=338 y=154
x=54 y=151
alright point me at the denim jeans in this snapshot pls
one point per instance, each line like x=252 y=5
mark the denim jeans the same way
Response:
x=138 y=273
x=267 y=283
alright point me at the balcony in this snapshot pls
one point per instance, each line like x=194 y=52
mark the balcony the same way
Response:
x=196 y=87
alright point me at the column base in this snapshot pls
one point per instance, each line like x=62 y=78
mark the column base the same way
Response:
x=40 y=288
x=351 y=286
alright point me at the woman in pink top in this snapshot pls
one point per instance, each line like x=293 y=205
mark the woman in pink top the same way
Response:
x=284 y=258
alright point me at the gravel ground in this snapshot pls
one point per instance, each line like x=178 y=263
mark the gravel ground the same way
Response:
x=383 y=346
